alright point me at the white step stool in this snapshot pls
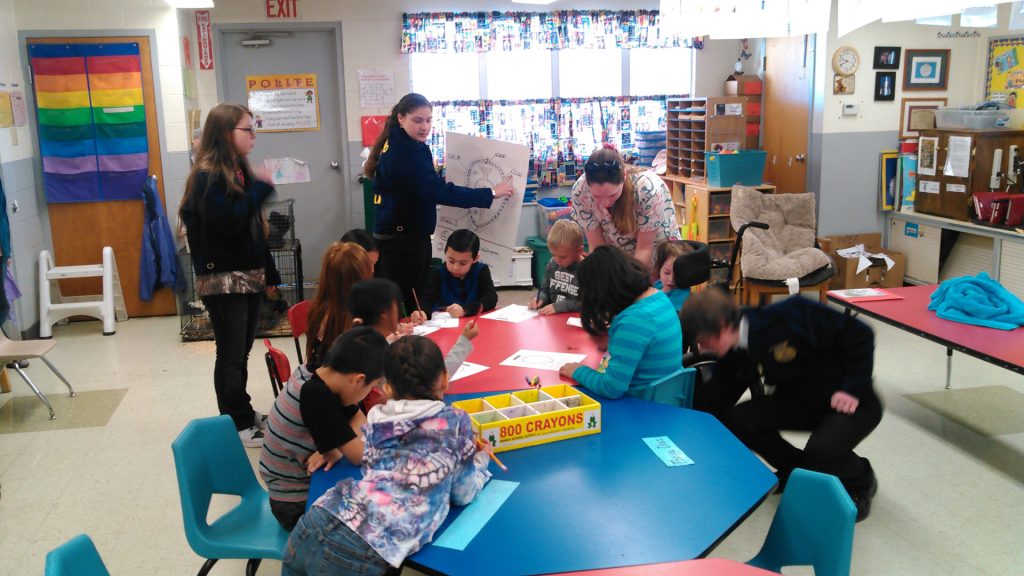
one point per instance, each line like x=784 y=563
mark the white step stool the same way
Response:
x=53 y=307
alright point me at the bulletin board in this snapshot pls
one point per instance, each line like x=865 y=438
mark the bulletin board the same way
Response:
x=1004 y=81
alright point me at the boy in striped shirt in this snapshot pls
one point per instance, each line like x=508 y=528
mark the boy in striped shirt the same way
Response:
x=316 y=419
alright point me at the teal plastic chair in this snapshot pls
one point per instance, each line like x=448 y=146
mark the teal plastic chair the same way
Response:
x=813 y=526
x=209 y=459
x=76 y=557
x=676 y=389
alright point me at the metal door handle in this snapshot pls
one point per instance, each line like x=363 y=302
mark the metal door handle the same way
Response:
x=334 y=166
x=789 y=163
x=800 y=157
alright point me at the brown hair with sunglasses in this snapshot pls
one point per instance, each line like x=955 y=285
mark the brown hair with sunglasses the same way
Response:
x=606 y=166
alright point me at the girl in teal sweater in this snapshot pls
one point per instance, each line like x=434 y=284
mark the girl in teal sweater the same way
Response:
x=644 y=337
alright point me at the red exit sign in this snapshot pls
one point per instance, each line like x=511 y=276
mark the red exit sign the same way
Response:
x=282 y=9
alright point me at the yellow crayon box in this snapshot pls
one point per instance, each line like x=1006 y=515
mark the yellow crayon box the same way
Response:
x=530 y=417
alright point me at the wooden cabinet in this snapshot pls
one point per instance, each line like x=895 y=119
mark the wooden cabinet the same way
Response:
x=696 y=125
x=948 y=191
x=703 y=215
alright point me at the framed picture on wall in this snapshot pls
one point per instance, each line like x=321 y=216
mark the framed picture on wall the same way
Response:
x=843 y=84
x=889 y=172
x=918 y=114
x=885 y=86
x=926 y=70
x=887 y=58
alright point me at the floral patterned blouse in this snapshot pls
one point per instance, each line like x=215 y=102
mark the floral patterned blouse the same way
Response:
x=419 y=458
x=654 y=212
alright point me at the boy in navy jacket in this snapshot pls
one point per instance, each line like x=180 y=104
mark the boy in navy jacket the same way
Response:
x=462 y=286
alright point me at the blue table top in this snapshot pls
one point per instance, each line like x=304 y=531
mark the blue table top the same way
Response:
x=606 y=500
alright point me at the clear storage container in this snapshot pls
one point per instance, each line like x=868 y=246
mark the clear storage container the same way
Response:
x=963 y=118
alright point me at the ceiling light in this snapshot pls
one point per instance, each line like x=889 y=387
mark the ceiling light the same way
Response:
x=189 y=3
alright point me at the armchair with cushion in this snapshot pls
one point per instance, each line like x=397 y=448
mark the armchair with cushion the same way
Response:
x=776 y=241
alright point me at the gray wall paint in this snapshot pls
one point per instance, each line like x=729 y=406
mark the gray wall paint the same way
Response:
x=847 y=189
x=30 y=234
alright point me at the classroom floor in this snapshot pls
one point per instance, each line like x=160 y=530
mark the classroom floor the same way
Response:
x=950 y=498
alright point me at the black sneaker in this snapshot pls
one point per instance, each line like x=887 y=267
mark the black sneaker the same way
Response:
x=252 y=437
x=862 y=499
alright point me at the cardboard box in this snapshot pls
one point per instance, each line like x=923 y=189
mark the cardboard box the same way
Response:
x=876 y=275
x=535 y=416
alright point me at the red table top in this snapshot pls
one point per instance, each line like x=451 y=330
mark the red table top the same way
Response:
x=498 y=340
x=1001 y=347
x=700 y=567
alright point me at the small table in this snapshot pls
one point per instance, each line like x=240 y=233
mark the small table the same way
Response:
x=699 y=567
x=498 y=340
x=1000 y=347
x=606 y=501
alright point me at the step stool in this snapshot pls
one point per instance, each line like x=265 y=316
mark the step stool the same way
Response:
x=53 y=307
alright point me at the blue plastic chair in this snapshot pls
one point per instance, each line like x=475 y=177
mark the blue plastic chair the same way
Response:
x=76 y=557
x=209 y=459
x=813 y=526
x=676 y=389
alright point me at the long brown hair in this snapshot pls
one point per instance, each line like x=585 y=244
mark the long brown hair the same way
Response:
x=623 y=211
x=216 y=153
x=407 y=104
x=344 y=264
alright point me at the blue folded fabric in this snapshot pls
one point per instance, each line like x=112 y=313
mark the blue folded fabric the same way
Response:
x=978 y=300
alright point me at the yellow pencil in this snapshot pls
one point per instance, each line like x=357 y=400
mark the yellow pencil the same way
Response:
x=416 y=298
x=481 y=443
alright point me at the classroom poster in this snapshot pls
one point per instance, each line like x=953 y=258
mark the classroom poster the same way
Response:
x=376 y=88
x=1005 y=74
x=18 y=108
x=908 y=182
x=6 y=113
x=284 y=102
x=482 y=163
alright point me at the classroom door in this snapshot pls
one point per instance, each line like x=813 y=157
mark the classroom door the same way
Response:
x=788 y=75
x=80 y=230
x=323 y=206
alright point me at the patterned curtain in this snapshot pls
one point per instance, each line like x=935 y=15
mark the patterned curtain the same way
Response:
x=561 y=133
x=447 y=32
x=92 y=121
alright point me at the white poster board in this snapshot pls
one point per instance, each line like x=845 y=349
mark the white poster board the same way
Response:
x=480 y=163
x=376 y=88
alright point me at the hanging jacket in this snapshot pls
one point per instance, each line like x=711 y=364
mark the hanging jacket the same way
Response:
x=158 y=264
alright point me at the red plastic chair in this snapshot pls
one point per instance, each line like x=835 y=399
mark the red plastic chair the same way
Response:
x=278 y=366
x=298 y=317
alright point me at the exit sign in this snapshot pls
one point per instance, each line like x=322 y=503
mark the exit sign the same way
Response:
x=281 y=9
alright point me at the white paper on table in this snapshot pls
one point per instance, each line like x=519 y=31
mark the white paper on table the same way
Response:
x=442 y=320
x=958 y=159
x=541 y=360
x=467 y=369
x=511 y=313
x=575 y=321
x=423 y=330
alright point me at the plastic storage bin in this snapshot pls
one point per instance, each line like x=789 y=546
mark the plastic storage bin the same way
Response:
x=548 y=215
x=964 y=118
x=744 y=167
x=541 y=256
x=719 y=229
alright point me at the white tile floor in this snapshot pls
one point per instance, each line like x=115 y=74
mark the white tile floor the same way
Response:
x=950 y=501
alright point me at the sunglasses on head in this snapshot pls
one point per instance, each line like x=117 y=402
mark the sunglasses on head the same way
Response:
x=602 y=170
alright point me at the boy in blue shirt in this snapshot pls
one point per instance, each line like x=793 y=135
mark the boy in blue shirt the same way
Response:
x=462 y=286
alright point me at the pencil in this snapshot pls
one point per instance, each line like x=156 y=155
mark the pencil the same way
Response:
x=416 y=298
x=481 y=443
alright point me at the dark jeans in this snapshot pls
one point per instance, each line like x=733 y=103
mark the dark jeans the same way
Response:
x=287 y=513
x=234 y=318
x=406 y=261
x=322 y=545
x=833 y=435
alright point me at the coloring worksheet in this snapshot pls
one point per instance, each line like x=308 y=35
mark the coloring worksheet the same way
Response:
x=512 y=313
x=467 y=369
x=481 y=163
x=541 y=360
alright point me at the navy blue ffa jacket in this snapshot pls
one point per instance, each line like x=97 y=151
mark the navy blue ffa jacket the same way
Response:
x=807 y=348
x=224 y=233
x=410 y=189
x=475 y=292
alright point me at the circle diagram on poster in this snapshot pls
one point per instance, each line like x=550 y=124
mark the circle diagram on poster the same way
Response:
x=485 y=173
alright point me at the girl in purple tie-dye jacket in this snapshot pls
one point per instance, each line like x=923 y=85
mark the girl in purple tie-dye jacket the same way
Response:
x=420 y=456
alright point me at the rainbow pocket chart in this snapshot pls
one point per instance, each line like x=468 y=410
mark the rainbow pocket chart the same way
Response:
x=92 y=121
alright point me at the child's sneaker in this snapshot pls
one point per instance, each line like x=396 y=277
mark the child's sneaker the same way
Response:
x=252 y=437
x=260 y=420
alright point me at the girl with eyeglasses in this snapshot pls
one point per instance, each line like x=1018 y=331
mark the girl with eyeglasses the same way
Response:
x=221 y=211
x=410 y=190
x=630 y=210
